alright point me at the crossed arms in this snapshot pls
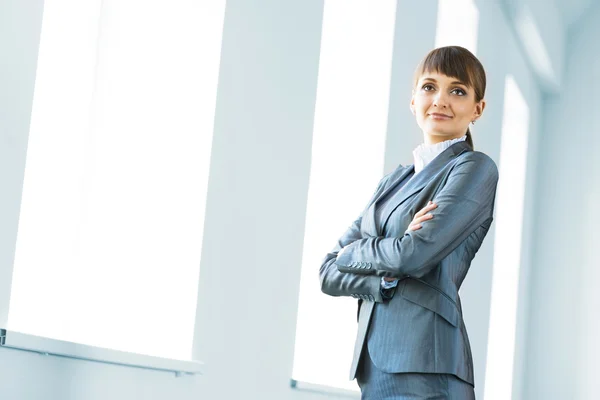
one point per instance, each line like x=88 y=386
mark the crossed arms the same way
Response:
x=465 y=202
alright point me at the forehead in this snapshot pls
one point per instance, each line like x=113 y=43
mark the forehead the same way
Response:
x=437 y=77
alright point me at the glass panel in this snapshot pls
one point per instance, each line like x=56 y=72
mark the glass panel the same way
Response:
x=507 y=243
x=108 y=248
x=347 y=163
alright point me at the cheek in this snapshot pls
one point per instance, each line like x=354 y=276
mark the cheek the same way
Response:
x=462 y=111
x=464 y=107
x=421 y=105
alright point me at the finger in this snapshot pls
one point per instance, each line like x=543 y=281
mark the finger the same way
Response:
x=430 y=206
x=414 y=227
x=423 y=218
x=423 y=210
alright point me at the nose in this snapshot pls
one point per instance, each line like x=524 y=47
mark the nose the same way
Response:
x=440 y=100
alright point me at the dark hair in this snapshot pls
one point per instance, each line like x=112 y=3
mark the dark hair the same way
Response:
x=456 y=62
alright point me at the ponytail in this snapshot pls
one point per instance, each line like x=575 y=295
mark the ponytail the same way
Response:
x=470 y=139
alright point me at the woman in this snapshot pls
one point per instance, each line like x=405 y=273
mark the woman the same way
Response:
x=408 y=253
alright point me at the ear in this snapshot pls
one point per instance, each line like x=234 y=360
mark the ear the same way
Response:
x=479 y=107
x=412 y=103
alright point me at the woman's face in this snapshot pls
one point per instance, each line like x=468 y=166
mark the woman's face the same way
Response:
x=444 y=107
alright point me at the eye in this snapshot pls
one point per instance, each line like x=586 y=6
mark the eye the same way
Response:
x=459 y=91
x=427 y=85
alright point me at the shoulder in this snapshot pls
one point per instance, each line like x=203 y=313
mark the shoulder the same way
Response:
x=479 y=160
x=391 y=176
x=399 y=170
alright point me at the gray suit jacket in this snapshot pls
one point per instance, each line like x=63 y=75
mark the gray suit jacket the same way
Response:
x=421 y=328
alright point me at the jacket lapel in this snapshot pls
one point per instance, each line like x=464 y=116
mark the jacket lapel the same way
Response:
x=368 y=226
x=417 y=182
x=408 y=170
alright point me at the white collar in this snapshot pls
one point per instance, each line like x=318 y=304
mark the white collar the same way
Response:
x=424 y=153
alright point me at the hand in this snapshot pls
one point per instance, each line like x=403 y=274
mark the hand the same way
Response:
x=416 y=224
x=421 y=216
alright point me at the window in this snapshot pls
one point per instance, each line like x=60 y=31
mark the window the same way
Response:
x=457 y=24
x=108 y=247
x=507 y=243
x=347 y=163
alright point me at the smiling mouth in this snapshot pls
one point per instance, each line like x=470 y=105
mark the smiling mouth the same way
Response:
x=440 y=116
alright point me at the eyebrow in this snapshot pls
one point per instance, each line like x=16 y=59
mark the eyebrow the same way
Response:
x=452 y=83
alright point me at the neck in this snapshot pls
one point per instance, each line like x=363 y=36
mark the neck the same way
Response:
x=433 y=139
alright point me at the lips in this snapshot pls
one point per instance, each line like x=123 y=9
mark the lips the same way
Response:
x=440 y=116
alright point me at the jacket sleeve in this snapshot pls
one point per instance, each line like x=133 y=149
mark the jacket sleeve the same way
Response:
x=465 y=202
x=336 y=283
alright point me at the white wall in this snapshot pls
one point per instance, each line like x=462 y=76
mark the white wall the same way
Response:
x=257 y=193
x=543 y=44
x=563 y=347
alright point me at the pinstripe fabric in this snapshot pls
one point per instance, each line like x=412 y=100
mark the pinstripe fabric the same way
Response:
x=378 y=385
x=420 y=329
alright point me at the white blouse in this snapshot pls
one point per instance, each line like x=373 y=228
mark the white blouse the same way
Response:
x=425 y=153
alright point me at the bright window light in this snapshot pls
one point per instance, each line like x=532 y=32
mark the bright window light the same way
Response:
x=457 y=24
x=347 y=157
x=507 y=244
x=110 y=230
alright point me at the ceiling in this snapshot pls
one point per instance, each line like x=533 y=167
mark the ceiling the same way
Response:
x=572 y=10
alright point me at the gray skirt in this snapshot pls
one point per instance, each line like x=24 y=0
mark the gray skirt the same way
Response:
x=378 y=385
